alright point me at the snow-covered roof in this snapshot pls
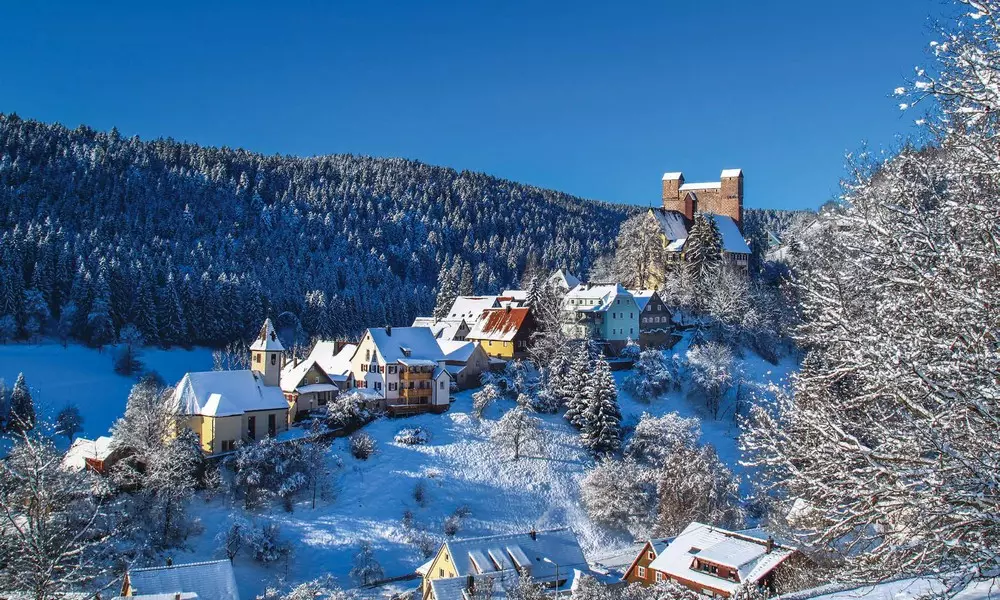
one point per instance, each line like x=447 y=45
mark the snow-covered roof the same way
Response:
x=706 y=185
x=333 y=363
x=397 y=343
x=747 y=554
x=732 y=172
x=672 y=176
x=457 y=351
x=470 y=307
x=617 y=562
x=564 y=279
x=594 y=298
x=82 y=449
x=225 y=393
x=169 y=596
x=500 y=324
x=671 y=223
x=209 y=580
x=443 y=329
x=293 y=374
x=495 y=553
x=267 y=339
x=515 y=295
x=732 y=239
x=642 y=297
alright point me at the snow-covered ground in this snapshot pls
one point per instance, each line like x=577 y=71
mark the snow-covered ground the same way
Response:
x=83 y=376
x=460 y=466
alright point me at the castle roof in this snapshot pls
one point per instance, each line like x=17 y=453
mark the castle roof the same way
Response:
x=732 y=172
x=672 y=176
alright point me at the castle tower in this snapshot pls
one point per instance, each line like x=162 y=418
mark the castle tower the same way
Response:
x=266 y=356
x=672 y=198
x=731 y=195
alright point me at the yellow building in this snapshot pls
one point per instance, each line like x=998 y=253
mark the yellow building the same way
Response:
x=504 y=332
x=224 y=407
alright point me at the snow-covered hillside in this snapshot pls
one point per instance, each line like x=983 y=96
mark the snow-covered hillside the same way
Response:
x=459 y=467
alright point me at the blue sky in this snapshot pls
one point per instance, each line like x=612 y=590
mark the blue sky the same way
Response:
x=596 y=99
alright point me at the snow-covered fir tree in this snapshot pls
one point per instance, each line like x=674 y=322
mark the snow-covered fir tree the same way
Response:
x=601 y=428
x=21 y=416
x=574 y=388
x=703 y=248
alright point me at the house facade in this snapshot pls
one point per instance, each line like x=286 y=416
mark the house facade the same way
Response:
x=444 y=329
x=306 y=387
x=712 y=561
x=504 y=333
x=465 y=362
x=403 y=368
x=605 y=313
x=655 y=319
x=225 y=407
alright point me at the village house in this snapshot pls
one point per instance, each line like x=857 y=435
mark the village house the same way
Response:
x=711 y=560
x=306 y=387
x=655 y=319
x=213 y=580
x=562 y=281
x=224 y=407
x=465 y=362
x=91 y=455
x=552 y=557
x=605 y=313
x=722 y=199
x=334 y=357
x=504 y=333
x=470 y=308
x=444 y=329
x=403 y=368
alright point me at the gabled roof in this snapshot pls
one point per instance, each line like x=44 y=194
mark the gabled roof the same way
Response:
x=732 y=239
x=671 y=223
x=470 y=307
x=564 y=279
x=225 y=393
x=642 y=297
x=396 y=343
x=512 y=296
x=675 y=229
x=457 y=351
x=603 y=297
x=82 y=449
x=443 y=329
x=732 y=172
x=747 y=554
x=267 y=339
x=497 y=553
x=672 y=176
x=293 y=374
x=335 y=364
x=500 y=324
x=209 y=580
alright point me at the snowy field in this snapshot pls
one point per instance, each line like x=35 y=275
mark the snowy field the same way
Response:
x=460 y=466
x=83 y=376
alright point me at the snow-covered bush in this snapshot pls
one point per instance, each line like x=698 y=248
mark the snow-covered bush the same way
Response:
x=413 y=436
x=631 y=351
x=654 y=374
x=268 y=469
x=362 y=445
x=420 y=493
x=621 y=495
x=263 y=542
x=694 y=485
x=710 y=367
x=655 y=438
x=366 y=569
x=452 y=523
x=350 y=410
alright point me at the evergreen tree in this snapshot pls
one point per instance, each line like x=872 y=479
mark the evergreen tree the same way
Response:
x=601 y=429
x=22 y=407
x=69 y=422
x=447 y=292
x=574 y=386
x=703 y=248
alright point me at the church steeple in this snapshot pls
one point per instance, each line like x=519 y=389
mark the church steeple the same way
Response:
x=266 y=356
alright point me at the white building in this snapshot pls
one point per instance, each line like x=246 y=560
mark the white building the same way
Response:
x=403 y=368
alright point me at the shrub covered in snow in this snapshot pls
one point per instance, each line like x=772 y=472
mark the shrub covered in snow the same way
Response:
x=350 y=410
x=362 y=445
x=263 y=542
x=654 y=374
x=710 y=366
x=482 y=399
x=655 y=438
x=366 y=569
x=621 y=495
x=413 y=436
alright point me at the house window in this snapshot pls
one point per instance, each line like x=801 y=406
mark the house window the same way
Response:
x=440 y=572
x=659 y=576
x=392 y=369
x=393 y=386
x=255 y=359
x=378 y=385
x=274 y=358
x=641 y=572
x=368 y=354
x=442 y=385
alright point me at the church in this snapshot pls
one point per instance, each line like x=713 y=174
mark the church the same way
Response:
x=722 y=199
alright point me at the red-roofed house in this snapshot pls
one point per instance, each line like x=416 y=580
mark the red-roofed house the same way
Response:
x=504 y=332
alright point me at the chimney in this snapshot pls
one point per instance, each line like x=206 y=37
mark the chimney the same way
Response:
x=533 y=534
x=470 y=583
x=338 y=345
x=769 y=545
x=388 y=330
x=508 y=308
x=177 y=596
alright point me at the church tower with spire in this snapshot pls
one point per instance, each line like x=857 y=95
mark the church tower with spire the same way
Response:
x=266 y=355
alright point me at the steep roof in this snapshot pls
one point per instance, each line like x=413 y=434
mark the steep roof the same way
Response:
x=603 y=297
x=732 y=172
x=747 y=554
x=225 y=393
x=267 y=339
x=443 y=329
x=671 y=223
x=401 y=343
x=518 y=550
x=499 y=324
x=209 y=580
x=564 y=279
x=674 y=228
x=732 y=239
x=642 y=297
x=335 y=364
x=82 y=449
x=470 y=307
x=293 y=374
x=457 y=351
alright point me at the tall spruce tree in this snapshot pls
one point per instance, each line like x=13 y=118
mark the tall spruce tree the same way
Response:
x=703 y=248
x=22 y=407
x=574 y=385
x=601 y=430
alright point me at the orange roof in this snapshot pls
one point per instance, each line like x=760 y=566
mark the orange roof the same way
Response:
x=499 y=324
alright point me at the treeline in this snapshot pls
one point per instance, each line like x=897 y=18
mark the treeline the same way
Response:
x=193 y=245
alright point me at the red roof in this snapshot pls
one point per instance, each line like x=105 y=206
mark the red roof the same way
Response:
x=499 y=324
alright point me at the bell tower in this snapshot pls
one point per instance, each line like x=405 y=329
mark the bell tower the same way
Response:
x=266 y=356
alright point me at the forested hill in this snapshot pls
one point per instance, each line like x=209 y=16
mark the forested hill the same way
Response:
x=195 y=244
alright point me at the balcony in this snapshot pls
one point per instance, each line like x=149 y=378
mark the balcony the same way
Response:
x=415 y=373
x=418 y=394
